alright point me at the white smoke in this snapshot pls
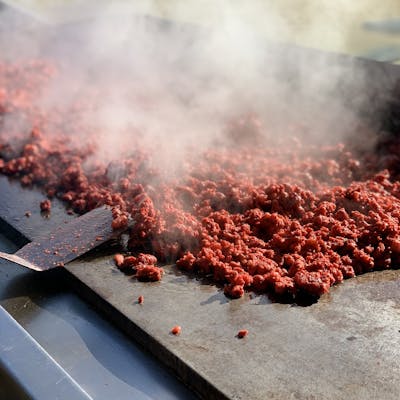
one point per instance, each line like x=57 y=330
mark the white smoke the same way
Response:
x=175 y=84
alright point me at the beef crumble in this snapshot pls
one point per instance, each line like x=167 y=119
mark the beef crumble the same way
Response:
x=274 y=219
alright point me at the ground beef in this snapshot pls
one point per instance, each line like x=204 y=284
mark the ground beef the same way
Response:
x=143 y=265
x=176 y=330
x=242 y=333
x=45 y=205
x=119 y=260
x=149 y=273
x=252 y=214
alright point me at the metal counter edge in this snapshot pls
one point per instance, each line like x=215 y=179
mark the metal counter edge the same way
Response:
x=27 y=368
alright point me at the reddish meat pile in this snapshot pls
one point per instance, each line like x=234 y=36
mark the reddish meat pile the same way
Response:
x=143 y=266
x=288 y=220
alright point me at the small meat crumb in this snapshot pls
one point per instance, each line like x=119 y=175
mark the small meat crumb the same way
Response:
x=129 y=262
x=234 y=291
x=120 y=222
x=28 y=214
x=45 y=205
x=119 y=260
x=140 y=299
x=242 y=333
x=176 y=330
x=149 y=273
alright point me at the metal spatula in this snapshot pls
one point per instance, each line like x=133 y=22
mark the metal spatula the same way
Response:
x=67 y=242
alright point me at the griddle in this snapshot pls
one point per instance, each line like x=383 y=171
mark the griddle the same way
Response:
x=345 y=346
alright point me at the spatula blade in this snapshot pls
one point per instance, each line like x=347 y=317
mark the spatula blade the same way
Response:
x=68 y=241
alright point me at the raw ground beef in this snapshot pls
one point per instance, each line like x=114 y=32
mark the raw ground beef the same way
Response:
x=278 y=219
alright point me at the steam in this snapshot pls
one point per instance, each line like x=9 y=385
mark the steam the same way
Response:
x=174 y=86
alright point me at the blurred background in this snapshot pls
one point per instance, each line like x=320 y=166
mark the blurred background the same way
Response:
x=368 y=28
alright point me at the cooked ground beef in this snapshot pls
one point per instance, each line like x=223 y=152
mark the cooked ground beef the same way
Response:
x=242 y=333
x=119 y=260
x=45 y=205
x=176 y=330
x=288 y=220
x=143 y=266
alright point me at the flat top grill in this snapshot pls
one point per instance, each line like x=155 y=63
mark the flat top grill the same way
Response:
x=343 y=347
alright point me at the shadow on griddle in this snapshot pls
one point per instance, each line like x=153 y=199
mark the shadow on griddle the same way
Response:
x=217 y=297
x=301 y=299
x=35 y=285
x=205 y=280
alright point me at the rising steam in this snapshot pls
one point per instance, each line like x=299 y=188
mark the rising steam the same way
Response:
x=174 y=86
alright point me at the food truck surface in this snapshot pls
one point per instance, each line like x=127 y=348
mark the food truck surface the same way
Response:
x=45 y=307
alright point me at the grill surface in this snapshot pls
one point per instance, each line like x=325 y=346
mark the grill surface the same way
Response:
x=346 y=346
